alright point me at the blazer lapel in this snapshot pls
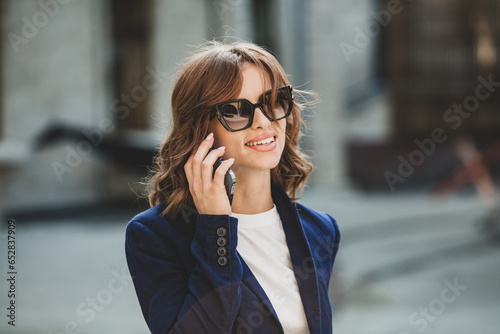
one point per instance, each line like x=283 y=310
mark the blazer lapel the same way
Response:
x=300 y=253
x=253 y=285
x=302 y=259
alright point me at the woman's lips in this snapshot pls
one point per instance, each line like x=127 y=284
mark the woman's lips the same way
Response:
x=263 y=143
x=264 y=136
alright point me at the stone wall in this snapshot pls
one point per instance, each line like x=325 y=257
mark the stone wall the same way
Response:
x=57 y=67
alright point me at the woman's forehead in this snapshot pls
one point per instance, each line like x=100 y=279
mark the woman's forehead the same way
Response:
x=255 y=83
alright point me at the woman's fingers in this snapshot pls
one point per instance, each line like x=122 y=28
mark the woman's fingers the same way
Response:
x=221 y=171
x=188 y=167
x=200 y=155
x=207 y=166
x=207 y=188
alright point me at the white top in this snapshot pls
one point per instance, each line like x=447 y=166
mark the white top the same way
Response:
x=262 y=244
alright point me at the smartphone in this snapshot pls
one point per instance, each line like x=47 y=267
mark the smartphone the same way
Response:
x=229 y=180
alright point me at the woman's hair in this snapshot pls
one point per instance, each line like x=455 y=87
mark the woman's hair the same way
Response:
x=212 y=75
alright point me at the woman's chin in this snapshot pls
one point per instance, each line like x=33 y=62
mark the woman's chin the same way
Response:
x=257 y=166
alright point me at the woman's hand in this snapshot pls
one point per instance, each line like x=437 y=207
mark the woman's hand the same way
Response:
x=209 y=194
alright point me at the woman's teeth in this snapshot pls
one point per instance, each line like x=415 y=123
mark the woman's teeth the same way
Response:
x=261 y=142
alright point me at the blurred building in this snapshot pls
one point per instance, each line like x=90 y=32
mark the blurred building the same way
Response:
x=86 y=84
x=439 y=63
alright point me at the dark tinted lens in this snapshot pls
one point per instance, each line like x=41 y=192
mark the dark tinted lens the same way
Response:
x=236 y=114
x=281 y=106
x=284 y=101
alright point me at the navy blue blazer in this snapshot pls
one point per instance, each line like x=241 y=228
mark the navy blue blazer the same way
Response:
x=189 y=278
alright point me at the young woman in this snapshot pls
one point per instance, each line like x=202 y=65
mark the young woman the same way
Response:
x=261 y=264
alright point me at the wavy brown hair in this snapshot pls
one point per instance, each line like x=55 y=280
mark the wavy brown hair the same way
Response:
x=213 y=74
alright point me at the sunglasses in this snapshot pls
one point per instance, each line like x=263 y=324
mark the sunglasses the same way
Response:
x=237 y=115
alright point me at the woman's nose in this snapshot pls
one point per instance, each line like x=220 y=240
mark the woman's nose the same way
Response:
x=259 y=119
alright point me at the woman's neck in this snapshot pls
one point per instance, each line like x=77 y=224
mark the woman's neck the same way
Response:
x=252 y=193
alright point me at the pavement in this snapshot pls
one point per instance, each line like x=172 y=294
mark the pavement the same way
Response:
x=408 y=263
x=411 y=263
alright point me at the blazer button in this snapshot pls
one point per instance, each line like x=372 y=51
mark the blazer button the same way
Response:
x=221 y=251
x=222 y=260
x=221 y=231
x=221 y=241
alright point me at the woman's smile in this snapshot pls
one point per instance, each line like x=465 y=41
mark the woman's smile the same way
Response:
x=263 y=143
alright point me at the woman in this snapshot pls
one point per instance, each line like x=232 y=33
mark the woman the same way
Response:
x=261 y=264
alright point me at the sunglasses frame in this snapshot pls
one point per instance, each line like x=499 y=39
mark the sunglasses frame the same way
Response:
x=216 y=111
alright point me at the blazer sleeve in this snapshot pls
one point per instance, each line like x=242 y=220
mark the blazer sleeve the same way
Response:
x=336 y=239
x=173 y=300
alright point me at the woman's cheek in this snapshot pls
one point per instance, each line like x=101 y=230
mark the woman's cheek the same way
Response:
x=282 y=130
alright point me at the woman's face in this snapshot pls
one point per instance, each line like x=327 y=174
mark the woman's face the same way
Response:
x=241 y=145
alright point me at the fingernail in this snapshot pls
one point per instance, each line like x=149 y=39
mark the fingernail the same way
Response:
x=230 y=159
x=222 y=148
x=210 y=136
